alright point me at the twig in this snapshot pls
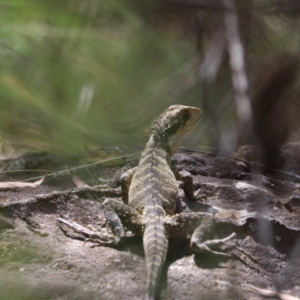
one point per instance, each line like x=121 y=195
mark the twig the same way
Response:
x=237 y=64
x=98 y=192
x=270 y=293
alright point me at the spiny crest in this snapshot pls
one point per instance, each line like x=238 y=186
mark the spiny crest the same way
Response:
x=175 y=123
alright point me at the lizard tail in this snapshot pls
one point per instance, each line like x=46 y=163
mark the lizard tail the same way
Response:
x=155 y=245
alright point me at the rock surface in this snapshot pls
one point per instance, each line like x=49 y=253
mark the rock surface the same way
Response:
x=41 y=260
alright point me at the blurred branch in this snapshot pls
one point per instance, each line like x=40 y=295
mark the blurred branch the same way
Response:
x=237 y=65
x=213 y=57
x=21 y=55
x=179 y=81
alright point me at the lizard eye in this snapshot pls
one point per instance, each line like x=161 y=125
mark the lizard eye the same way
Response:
x=171 y=130
x=185 y=116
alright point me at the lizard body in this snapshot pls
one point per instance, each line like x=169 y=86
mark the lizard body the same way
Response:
x=153 y=190
x=152 y=196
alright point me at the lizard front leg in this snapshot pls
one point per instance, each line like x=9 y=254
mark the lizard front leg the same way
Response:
x=187 y=184
x=126 y=179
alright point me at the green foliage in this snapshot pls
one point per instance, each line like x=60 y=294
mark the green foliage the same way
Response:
x=97 y=72
x=75 y=72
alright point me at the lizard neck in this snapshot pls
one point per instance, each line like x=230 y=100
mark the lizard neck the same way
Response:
x=157 y=144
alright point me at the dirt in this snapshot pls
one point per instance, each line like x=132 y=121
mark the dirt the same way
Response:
x=41 y=260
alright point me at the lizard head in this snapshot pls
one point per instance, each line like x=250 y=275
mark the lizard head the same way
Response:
x=175 y=123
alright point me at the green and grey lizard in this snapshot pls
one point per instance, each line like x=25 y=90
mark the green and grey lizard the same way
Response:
x=150 y=193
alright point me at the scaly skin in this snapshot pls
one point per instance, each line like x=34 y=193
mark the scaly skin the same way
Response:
x=153 y=190
x=149 y=193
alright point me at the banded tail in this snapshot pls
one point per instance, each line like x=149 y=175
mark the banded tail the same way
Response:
x=155 y=246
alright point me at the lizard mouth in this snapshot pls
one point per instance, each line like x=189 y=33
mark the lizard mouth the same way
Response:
x=196 y=115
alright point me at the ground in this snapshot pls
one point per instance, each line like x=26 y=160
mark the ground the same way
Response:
x=42 y=260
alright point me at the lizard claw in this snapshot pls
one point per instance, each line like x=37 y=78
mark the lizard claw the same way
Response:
x=205 y=246
x=103 y=239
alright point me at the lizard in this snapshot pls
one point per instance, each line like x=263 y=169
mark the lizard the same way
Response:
x=150 y=194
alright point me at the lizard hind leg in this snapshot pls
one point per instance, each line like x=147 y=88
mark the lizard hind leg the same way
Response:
x=198 y=242
x=119 y=215
x=199 y=225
